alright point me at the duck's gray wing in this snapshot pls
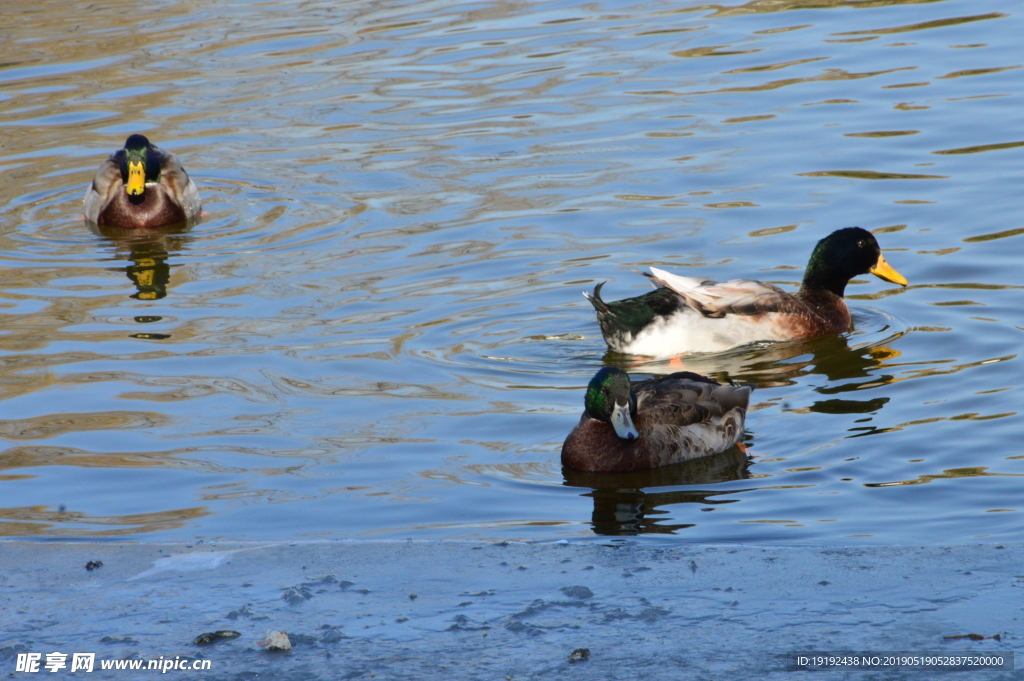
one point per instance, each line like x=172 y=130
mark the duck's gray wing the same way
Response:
x=105 y=184
x=684 y=399
x=177 y=183
x=738 y=296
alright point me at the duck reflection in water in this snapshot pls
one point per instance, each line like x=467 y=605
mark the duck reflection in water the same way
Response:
x=148 y=251
x=847 y=368
x=624 y=503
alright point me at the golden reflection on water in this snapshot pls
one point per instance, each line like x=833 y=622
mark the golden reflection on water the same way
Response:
x=925 y=25
x=45 y=521
x=772 y=6
x=974 y=472
x=872 y=175
x=39 y=456
x=52 y=425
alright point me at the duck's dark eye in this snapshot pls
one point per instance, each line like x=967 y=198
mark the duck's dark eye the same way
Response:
x=861 y=243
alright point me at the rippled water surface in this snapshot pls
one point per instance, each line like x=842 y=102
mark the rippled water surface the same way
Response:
x=377 y=329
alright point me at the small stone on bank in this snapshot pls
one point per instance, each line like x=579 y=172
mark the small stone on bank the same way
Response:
x=275 y=641
x=211 y=637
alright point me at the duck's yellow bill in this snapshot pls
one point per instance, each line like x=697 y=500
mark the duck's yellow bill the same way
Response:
x=884 y=270
x=136 y=178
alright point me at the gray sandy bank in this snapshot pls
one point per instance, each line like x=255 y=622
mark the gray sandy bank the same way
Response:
x=453 y=610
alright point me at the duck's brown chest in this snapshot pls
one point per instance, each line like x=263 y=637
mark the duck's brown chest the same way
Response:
x=593 y=446
x=827 y=313
x=153 y=209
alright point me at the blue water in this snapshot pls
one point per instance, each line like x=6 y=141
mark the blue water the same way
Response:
x=377 y=330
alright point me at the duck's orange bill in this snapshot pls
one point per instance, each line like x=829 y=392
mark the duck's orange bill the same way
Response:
x=136 y=178
x=884 y=270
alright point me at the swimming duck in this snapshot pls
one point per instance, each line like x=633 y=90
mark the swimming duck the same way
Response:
x=631 y=426
x=690 y=314
x=141 y=186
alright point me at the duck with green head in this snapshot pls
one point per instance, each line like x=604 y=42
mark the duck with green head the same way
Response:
x=141 y=186
x=692 y=314
x=638 y=425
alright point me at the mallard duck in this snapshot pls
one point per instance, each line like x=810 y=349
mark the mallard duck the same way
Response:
x=690 y=314
x=631 y=426
x=141 y=186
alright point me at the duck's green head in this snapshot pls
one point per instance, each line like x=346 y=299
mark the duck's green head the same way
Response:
x=610 y=398
x=844 y=254
x=138 y=165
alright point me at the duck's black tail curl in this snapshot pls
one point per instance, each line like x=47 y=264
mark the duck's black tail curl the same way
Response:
x=606 y=316
x=595 y=300
x=622 y=320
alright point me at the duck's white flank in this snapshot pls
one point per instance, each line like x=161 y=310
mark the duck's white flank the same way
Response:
x=690 y=331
